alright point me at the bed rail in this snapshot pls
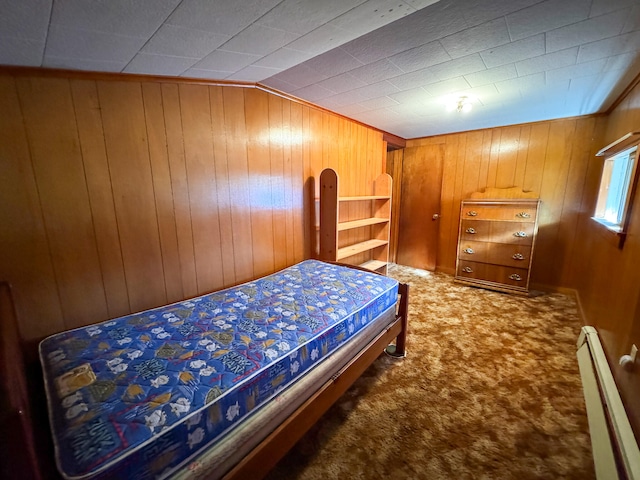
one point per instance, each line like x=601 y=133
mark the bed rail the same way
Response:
x=21 y=446
x=267 y=454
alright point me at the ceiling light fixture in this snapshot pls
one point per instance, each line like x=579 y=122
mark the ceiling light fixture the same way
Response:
x=463 y=104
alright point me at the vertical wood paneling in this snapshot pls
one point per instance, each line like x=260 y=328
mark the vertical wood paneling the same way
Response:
x=494 y=156
x=299 y=203
x=289 y=209
x=326 y=140
x=132 y=183
x=154 y=116
x=395 y=160
x=473 y=163
x=508 y=149
x=546 y=264
x=311 y=193
x=25 y=259
x=52 y=134
x=257 y=114
x=94 y=155
x=315 y=145
x=234 y=113
x=449 y=206
x=536 y=154
x=483 y=176
x=222 y=185
x=522 y=154
x=125 y=195
x=333 y=145
x=360 y=185
x=201 y=174
x=581 y=156
x=180 y=188
x=314 y=160
x=278 y=203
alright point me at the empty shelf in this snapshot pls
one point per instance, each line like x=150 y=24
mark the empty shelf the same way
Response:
x=364 y=197
x=359 y=248
x=373 y=265
x=361 y=223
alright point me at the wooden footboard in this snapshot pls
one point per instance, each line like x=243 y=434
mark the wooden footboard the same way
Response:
x=18 y=431
x=275 y=446
x=403 y=315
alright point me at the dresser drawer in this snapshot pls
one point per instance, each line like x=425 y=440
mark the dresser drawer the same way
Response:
x=516 y=233
x=476 y=230
x=518 y=256
x=474 y=251
x=512 y=213
x=516 y=277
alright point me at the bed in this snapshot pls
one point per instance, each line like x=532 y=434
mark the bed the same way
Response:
x=221 y=385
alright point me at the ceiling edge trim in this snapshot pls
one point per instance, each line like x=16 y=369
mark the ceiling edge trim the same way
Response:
x=550 y=120
x=623 y=95
x=390 y=138
x=17 y=71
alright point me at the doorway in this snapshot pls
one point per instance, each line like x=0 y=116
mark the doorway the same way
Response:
x=417 y=183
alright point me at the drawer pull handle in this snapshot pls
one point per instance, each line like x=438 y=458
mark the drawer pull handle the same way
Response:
x=469 y=251
x=467 y=270
x=470 y=230
x=515 y=276
x=520 y=234
x=518 y=256
x=472 y=213
x=523 y=215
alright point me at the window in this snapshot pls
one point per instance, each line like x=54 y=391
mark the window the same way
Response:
x=618 y=184
x=615 y=189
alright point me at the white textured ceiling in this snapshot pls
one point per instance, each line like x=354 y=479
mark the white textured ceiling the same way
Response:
x=394 y=65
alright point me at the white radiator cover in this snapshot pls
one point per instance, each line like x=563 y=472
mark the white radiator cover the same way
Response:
x=609 y=427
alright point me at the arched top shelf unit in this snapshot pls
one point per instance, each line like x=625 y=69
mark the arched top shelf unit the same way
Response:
x=355 y=229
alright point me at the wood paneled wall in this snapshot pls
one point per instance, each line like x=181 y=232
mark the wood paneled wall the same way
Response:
x=607 y=278
x=551 y=158
x=122 y=195
x=557 y=160
x=394 y=168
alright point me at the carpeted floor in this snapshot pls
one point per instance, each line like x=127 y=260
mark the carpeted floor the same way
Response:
x=490 y=389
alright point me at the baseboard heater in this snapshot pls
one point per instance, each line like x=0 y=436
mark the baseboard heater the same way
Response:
x=615 y=450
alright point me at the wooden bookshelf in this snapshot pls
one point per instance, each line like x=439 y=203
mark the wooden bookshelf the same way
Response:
x=373 y=218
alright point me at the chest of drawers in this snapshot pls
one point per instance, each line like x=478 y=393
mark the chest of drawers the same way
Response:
x=496 y=240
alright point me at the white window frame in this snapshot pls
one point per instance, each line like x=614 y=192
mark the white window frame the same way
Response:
x=618 y=184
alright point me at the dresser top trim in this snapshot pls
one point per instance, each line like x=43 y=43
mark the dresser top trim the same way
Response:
x=503 y=193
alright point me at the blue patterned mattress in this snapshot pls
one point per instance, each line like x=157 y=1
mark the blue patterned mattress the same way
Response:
x=137 y=396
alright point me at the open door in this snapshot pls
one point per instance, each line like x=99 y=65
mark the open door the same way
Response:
x=419 y=212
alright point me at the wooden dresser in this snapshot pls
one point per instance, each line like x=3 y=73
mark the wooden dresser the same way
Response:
x=496 y=241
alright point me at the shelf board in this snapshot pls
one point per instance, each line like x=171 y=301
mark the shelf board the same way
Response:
x=363 y=197
x=373 y=265
x=361 y=223
x=359 y=248
x=624 y=142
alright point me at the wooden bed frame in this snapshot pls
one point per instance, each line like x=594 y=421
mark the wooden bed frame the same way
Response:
x=25 y=442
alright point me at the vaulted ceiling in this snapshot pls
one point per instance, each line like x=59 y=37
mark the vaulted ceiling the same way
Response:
x=401 y=66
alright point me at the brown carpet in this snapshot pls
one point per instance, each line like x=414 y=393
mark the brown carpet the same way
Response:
x=490 y=389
